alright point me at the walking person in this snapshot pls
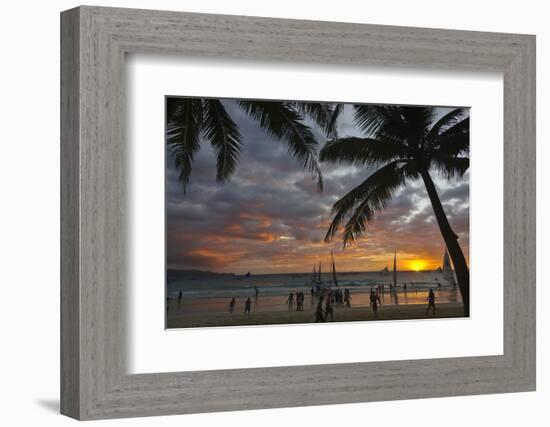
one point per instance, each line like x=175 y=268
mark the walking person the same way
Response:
x=374 y=301
x=329 y=311
x=231 y=305
x=180 y=296
x=431 y=301
x=247 y=305
x=290 y=302
x=347 y=298
x=319 y=311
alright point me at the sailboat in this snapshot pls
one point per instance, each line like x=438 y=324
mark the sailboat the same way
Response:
x=448 y=273
x=334 y=278
x=321 y=288
x=394 y=269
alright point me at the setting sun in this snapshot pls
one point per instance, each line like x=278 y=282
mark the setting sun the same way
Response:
x=417 y=265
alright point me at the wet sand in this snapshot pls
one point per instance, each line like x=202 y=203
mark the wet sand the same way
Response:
x=181 y=318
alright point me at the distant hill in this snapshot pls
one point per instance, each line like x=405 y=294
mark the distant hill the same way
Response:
x=173 y=274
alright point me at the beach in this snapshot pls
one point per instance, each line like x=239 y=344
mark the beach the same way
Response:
x=183 y=319
x=204 y=301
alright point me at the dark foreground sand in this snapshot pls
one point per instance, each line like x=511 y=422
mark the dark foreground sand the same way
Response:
x=179 y=319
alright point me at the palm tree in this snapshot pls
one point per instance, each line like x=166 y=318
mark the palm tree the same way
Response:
x=189 y=121
x=403 y=144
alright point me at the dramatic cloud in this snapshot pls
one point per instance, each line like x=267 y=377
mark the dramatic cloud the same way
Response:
x=270 y=217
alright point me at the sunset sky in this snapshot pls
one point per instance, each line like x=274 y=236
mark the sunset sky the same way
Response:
x=270 y=218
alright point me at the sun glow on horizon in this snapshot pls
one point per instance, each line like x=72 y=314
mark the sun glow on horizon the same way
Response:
x=417 y=265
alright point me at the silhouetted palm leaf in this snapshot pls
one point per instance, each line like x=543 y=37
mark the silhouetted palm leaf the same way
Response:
x=188 y=120
x=451 y=167
x=357 y=208
x=455 y=141
x=223 y=133
x=283 y=122
x=445 y=122
x=375 y=120
x=362 y=151
x=333 y=120
x=321 y=113
x=184 y=119
x=418 y=121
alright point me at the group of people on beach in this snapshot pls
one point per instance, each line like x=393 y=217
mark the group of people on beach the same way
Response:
x=337 y=297
x=324 y=310
x=247 y=305
x=300 y=297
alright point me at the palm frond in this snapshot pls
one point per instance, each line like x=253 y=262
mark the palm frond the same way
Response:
x=451 y=167
x=183 y=123
x=357 y=208
x=331 y=128
x=362 y=151
x=321 y=113
x=382 y=120
x=445 y=122
x=370 y=119
x=283 y=122
x=224 y=135
x=419 y=121
x=454 y=141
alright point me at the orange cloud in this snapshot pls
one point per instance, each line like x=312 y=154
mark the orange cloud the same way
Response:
x=212 y=258
x=261 y=219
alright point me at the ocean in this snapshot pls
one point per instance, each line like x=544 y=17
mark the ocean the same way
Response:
x=210 y=293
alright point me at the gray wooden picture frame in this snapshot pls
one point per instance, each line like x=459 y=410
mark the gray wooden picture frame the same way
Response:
x=94 y=382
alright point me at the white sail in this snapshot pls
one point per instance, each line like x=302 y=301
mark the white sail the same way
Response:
x=314 y=274
x=334 y=278
x=448 y=273
x=394 y=269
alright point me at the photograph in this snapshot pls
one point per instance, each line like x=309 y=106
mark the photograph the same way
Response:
x=293 y=212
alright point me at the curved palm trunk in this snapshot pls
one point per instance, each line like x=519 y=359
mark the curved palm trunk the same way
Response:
x=451 y=240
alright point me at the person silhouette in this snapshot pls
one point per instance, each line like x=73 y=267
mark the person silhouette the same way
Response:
x=431 y=301
x=347 y=298
x=328 y=310
x=232 y=305
x=319 y=311
x=374 y=300
x=290 y=302
x=300 y=301
x=247 y=305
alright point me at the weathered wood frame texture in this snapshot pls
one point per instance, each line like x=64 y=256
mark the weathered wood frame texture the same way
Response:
x=94 y=41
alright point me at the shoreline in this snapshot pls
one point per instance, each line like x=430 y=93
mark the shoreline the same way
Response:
x=353 y=314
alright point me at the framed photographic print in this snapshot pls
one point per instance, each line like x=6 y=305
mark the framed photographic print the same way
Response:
x=274 y=223
x=261 y=213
